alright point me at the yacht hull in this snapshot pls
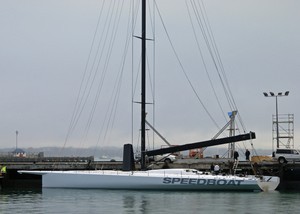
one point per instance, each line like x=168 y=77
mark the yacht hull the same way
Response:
x=165 y=179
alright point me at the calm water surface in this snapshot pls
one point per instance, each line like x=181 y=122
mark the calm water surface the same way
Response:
x=113 y=201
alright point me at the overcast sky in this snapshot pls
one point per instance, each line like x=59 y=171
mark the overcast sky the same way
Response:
x=45 y=46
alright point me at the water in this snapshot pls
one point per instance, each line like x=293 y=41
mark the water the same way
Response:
x=113 y=201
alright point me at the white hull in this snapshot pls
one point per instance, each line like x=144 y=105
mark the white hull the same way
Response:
x=164 y=179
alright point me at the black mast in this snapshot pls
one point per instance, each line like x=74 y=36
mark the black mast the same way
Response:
x=143 y=88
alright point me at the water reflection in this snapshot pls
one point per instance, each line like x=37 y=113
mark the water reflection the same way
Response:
x=18 y=199
x=20 y=191
x=136 y=202
x=115 y=201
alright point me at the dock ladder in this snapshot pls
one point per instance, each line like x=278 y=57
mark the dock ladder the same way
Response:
x=235 y=165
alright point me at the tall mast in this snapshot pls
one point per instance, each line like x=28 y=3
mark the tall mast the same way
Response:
x=143 y=88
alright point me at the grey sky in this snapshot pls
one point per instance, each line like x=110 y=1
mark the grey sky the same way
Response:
x=45 y=46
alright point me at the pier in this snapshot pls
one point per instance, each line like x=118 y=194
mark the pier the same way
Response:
x=288 y=172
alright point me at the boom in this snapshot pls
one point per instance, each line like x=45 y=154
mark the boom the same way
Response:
x=202 y=144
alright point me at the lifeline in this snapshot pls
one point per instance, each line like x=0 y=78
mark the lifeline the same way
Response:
x=201 y=181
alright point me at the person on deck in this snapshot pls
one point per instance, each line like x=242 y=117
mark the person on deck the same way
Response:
x=217 y=169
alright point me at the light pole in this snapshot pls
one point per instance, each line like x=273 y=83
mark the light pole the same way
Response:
x=280 y=94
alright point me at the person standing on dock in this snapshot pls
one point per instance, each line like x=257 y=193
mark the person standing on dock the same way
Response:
x=235 y=155
x=247 y=154
x=2 y=172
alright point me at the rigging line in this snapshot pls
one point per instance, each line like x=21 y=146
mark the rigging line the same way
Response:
x=183 y=70
x=148 y=139
x=150 y=78
x=83 y=78
x=121 y=71
x=148 y=66
x=135 y=83
x=136 y=79
x=211 y=37
x=226 y=87
x=113 y=103
x=207 y=38
x=204 y=33
x=88 y=124
x=154 y=70
x=134 y=89
x=132 y=56
x=137 y=142
x=207 y=41
x=204 y=64
x=106 y=28
x=109 y=44
x=222 y=67
x=115 y=100
x=112 y=112
x=114 y=31
x=95 y=74
x=242 y=123
x=107 y=121
x=134 y=12
x=203 y=11
x=89 y=84
x=151 y=19
x=231 y=99
x=229 y=96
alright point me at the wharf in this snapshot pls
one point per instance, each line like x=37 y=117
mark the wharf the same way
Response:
x=289 y=172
